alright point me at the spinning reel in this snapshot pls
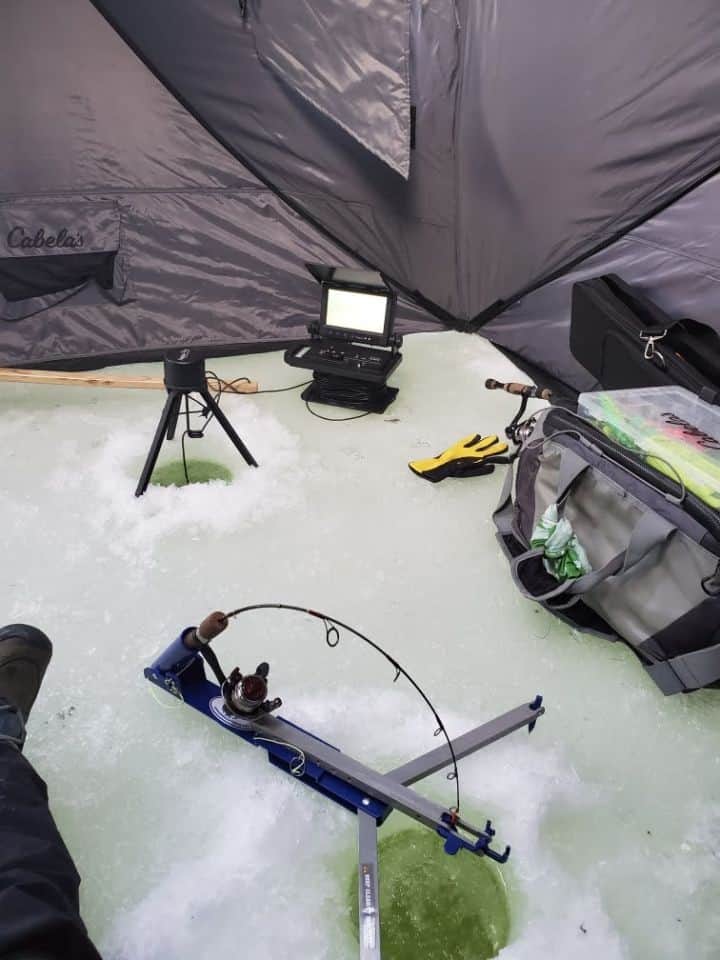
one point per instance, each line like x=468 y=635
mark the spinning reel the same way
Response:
x=244 y=695
x=518 y=430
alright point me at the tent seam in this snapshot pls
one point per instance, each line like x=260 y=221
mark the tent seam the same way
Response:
x=669 y=178
x=494 y=310
x=677 y=253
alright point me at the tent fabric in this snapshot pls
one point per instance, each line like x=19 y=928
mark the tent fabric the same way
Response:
x=579 y=119
x=565 y=123
x=206 y=52
x=330 y=52
x=673 y=258
x=97 y=151
x=471 y=151
x=209 y=269
x=41 y=266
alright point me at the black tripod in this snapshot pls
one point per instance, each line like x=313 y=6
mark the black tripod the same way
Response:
x=184 y=374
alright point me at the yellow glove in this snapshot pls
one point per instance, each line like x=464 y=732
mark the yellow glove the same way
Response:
x=473 y=456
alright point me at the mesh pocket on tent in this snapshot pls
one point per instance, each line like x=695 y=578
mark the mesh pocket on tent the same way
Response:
x=49 y=252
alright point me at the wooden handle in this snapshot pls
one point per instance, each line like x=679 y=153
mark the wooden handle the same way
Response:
x=519 y=389
x=61 y=378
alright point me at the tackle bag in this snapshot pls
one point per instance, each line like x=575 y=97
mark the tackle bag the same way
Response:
x=625 y=340
x=653 y=546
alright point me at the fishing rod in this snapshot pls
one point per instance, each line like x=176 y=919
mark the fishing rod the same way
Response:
x=240 y=704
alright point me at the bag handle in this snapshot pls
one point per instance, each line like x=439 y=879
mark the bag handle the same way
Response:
x=651 y=531
x=503 y=513
x=652 y=317
x=571 y=468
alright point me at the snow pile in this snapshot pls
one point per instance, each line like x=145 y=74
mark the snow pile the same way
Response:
x=191 y=845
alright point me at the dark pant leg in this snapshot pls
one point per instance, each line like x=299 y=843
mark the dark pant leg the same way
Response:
x=39 y=910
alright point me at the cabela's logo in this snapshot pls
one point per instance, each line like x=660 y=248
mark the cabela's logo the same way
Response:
x=701 y=438
x=18 y=238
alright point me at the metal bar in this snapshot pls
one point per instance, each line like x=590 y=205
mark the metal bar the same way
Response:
x=468 y=743
x=368 y=888
x=377 y=785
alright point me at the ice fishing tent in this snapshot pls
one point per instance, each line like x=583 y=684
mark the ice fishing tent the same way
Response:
x=480 y=155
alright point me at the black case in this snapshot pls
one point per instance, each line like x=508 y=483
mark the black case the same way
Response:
x=625 y=340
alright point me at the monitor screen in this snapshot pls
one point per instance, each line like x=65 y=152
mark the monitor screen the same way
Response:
x=356 y=310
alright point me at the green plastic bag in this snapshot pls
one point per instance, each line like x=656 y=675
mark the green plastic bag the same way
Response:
x=565 y=557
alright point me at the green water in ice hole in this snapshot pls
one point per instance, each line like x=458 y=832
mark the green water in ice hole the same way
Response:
x=199 y=471
x=436 y=906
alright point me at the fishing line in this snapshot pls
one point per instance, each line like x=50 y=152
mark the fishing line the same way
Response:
x=332 y=638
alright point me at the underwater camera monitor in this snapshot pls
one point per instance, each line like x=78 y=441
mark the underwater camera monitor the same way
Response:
x=357 y=313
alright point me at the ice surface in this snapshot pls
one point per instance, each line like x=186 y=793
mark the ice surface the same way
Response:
x=189 y=843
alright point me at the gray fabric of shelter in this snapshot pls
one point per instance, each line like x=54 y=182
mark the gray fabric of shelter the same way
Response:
x=563 y=124
x=35 y=228
x=265 y=139
x=210 y=268
x=578 y=118
x=211 y=257
x=330 y=52
x=206 y=51
x=673 y=258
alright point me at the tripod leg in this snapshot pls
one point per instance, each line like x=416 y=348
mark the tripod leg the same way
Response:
x=170 y=411
x=173 y=419
x=228 y=428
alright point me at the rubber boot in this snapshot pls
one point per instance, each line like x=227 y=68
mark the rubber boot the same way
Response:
x=25 y=653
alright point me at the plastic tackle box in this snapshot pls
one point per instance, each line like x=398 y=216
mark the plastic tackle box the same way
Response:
x=671 y=428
